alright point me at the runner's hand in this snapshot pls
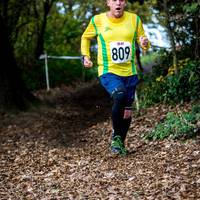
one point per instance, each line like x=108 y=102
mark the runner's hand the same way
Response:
x=144 y=42
x=87 y=62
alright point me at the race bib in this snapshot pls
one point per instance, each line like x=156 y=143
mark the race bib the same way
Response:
x=120 y=51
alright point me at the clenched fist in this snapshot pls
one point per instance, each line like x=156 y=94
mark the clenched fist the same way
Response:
x=87 y=62
x=144 y=42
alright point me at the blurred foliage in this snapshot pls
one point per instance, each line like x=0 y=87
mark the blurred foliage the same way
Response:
x=163 y=85
x=183 y=21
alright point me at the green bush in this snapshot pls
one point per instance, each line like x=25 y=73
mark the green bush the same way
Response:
x=152 y=57
x=177 y=125
x=173 y=88
x=163 y=61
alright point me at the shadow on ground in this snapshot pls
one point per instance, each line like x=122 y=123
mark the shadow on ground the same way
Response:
x=83 y=109
x=62 y=118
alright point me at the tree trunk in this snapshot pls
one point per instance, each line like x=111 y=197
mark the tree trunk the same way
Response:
x=171 y=36
x=40 y=37
x=197 y=43
x=13 y=94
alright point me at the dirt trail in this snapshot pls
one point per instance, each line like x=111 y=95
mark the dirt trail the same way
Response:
x=62 y=152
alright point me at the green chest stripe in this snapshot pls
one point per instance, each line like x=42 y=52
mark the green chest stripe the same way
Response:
x=134 y=71
x=95 y=27
x=104 y=50
x=104 y=54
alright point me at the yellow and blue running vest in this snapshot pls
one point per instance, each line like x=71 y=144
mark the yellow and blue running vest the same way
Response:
x=116 y=42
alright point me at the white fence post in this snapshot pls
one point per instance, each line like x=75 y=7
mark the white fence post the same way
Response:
x=137 y=101
x=47 y=71
x=45 y=57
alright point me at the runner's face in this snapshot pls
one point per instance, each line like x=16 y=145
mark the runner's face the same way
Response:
x=116 y=8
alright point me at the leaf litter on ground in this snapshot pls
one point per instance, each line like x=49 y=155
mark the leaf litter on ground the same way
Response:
x=62 y=151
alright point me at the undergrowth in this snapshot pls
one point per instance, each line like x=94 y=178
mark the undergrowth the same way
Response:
x=177 y=125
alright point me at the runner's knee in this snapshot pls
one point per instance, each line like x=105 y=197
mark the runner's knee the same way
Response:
x=119 y=95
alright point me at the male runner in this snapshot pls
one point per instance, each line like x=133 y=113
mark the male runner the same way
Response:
x=116 y=31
